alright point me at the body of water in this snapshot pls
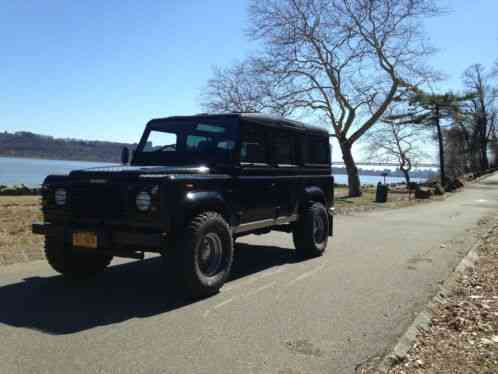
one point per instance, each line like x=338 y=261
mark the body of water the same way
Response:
x=32 y=172
x=374 y=179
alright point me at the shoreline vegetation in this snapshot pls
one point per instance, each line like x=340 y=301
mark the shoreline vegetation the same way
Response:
x=19 y=190
x=24 y=144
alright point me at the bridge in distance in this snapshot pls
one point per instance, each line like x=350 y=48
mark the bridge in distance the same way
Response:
x=389 y=164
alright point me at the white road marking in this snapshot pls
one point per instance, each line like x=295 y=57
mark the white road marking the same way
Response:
x=258 y=290
x=306 y=274
x=255 y=278
x=228 y=301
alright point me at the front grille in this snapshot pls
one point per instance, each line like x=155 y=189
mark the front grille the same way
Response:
x=97 y=201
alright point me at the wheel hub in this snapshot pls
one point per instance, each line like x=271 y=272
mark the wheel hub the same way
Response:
x=319 y=230
x=210 y=254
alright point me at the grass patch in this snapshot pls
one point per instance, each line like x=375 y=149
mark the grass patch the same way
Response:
x=367 y=197
x=17 y=243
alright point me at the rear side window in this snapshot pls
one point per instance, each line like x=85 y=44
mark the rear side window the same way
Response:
x=284 y=148
x=317 y=150
x=253 y=147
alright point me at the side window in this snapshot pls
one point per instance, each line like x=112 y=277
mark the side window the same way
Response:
x=318 y=150
x=253 y=146
x=284 y=148
x=200 y=143
x=161 y=141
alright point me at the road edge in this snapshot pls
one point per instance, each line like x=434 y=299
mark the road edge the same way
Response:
x=422 y=322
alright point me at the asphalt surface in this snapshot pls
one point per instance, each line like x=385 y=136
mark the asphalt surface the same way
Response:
x=275 y=315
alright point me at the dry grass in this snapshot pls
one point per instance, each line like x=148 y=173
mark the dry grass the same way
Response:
x=17 y=243
x=395 y=198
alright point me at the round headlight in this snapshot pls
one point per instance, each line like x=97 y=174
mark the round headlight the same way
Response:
x=60 y=196
x=143 y=201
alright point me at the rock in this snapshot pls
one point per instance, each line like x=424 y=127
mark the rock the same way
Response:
x=454 y=184
x=438 y=189
x=422 y=193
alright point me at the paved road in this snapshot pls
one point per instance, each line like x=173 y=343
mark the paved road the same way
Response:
x=275 y=315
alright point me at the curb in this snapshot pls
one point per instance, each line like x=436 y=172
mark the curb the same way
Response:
x=423 y=321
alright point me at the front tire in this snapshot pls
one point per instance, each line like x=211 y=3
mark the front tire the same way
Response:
x=205 y=252
x=70 y=264
x=311 y=231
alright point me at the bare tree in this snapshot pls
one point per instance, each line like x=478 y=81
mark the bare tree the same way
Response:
x=481 y=113
x=397 y=141
x=243 y=88
x=343 y=61
x=432 y=110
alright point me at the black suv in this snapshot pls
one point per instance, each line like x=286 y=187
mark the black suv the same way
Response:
x=194 y=184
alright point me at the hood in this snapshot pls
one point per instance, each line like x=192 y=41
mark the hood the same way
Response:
x=125 y=171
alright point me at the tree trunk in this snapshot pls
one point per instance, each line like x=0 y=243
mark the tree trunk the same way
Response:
x=482 y=121
x=441 y=146
x=484 y=158
x=483 y=144
x=406 y=173
x=352 y=170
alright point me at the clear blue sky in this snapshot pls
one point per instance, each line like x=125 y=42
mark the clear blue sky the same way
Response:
x=101 y=69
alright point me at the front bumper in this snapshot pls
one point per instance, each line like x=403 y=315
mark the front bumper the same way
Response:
x=109 y=238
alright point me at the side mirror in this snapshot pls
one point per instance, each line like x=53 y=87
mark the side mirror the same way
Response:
x=125 y=155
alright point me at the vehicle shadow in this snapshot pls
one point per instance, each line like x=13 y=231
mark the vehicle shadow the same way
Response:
x=131 y=290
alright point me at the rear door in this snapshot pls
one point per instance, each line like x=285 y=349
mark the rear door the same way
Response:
x=256 y=186
x=286 y=159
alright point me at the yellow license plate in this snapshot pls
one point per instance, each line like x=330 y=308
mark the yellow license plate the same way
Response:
x=85 y=239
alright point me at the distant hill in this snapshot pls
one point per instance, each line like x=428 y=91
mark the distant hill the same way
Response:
x=27 y=144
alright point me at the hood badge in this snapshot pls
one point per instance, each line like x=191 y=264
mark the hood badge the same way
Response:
x=99 y=181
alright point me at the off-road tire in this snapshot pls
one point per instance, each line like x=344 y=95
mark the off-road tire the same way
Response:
x=187 y=252
x=70 y=264
x=304 y=231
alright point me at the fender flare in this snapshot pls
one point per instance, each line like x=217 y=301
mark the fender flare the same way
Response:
x=195 y=202
x=314 y=193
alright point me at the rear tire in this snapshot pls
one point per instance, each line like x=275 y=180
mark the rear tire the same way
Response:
x=311 y=231
x=205 y=253
x=70 y=264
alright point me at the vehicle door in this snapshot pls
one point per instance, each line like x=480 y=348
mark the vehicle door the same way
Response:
x=286 y=159
x=255 y=184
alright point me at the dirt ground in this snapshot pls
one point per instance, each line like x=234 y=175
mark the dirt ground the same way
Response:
x=463 y=337
x=17 y=243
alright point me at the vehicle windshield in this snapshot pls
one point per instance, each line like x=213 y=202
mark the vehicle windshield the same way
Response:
x=186 y=142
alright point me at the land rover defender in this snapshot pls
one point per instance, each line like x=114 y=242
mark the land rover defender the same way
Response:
x=193 y=185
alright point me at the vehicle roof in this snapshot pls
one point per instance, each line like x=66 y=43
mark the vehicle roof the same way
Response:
x=264 y=119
